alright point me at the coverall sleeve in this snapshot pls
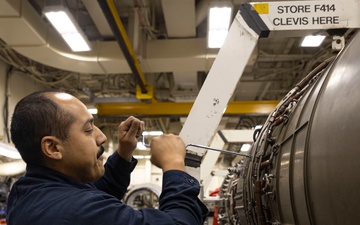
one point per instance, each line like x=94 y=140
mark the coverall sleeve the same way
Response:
x=178 y=202
x=178 y=205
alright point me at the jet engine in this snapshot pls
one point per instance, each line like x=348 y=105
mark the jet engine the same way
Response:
x=303 y=166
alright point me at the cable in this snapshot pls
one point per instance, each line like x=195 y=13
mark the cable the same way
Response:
x=6 y=103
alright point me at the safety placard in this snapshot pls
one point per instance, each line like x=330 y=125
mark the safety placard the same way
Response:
x=309 y=15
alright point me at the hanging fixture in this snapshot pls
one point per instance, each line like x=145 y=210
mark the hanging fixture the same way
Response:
x=219 y=22
x=312 y=41
x=62 y=20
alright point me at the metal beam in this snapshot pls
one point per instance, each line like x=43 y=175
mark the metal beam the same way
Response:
x=113 y=17
x=181 y=108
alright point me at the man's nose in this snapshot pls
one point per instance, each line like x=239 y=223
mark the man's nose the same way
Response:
x=100 y=136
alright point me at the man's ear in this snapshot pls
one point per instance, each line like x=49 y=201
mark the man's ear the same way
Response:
x=51 y=147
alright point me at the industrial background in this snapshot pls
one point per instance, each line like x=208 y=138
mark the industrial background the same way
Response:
x=169 y=42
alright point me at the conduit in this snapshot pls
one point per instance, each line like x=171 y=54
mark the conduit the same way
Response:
x=181 y=108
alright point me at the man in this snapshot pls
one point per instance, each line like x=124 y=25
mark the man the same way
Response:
x=66 y=182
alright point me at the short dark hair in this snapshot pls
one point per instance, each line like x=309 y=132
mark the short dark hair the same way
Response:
x=36 y=116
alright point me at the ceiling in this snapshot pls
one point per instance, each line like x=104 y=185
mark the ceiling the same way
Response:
x=169 y=40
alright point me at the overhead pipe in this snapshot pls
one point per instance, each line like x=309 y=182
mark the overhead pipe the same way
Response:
x=181 y=108
x=26 y=32
x=113 y=18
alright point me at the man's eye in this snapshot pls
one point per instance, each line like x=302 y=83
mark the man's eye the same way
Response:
x=89 y=131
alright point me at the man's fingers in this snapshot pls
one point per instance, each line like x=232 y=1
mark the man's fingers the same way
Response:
x=140 y=129
x=133 y=129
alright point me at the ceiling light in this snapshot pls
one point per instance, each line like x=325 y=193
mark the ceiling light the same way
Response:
x=219 y=21
x=141 y=156
x=93 y=111
x=312 y=41
x=141 y=146
x=9 y=151
x=152 y=133
x=245 y=147
x=65 y=24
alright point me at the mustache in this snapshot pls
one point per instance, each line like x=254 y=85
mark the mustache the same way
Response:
x=101 y=151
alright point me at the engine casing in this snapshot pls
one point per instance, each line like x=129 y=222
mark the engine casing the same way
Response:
x=303 y=165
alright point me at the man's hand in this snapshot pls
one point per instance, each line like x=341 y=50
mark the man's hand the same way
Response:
x=128 y=133
x=168 y=152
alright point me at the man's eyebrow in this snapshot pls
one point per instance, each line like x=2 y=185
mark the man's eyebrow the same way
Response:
x=91 y=121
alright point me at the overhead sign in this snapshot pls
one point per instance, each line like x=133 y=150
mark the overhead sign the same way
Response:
x=309 y=15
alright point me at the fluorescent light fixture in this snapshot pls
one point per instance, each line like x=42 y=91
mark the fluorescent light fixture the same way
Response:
x=312 y=41
x=219 y=21
x=245 y=147
x=152 y=133
x=93 y=111
x=65 y=24
x=9 y=151
x=141 y=146
x=141 y=156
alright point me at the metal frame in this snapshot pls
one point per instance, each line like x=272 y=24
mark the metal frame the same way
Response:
x=253 y=21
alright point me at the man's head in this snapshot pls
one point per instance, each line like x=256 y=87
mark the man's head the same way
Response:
x=56 y=130
x=36 y=116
